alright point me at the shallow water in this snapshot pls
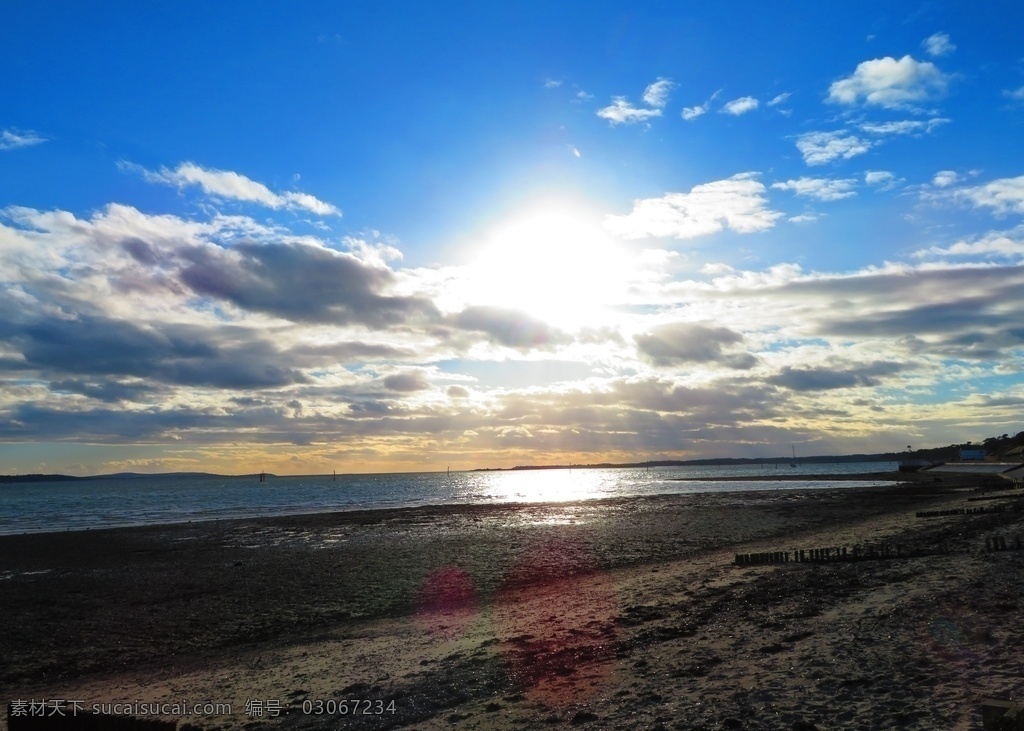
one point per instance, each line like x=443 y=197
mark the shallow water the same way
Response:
x=107 y=503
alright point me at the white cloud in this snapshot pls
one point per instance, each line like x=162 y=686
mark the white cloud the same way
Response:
x=227 y=184
x=11 y=139
x=938 y=44
x=777 y=100
x=886 y=82
x=945 y=178
x=740 y=106
x=310 y=203
x=803 y=218
x=717 y=269
x=822 y=189
x=882 y=180
x=737 y=203
x=1008 y=244
x=1005 y=195
x=819 y=148
x=1016 y=95
x=691 y=113
x=552 y=83
x=142 y=285
x=621 y=111
x=903 y=127
x=656 y=94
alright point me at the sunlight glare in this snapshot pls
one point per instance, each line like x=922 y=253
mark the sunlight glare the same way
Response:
x=555 y=264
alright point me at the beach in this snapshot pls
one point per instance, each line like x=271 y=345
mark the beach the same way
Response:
x=608 y=614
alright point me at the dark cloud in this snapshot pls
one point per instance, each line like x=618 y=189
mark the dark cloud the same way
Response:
x=107 y=390
x=31 y=422
x=99 y=347
x=903 y=286
x=508 y=327
x=687 y=342
x=347 y=351
x=406 y=382
x=968 y=313
x=302 y=283
x=825 y=379
x=249 y=401
x=457 y=392
x=372 y=408
x=724 y=402
x=980 y=346
x=142 y=252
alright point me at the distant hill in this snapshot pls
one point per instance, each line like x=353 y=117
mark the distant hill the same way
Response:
x=6 y=479
x=133 y=475
x=1004 y=448
x=999 y=449
x=40 y=478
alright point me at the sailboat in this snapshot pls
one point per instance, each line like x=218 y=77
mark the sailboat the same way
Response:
x=793 y=463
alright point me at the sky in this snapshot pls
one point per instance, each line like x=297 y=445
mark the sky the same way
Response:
x=392 y=236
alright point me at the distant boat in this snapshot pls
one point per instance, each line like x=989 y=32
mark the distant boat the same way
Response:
x=793 y=463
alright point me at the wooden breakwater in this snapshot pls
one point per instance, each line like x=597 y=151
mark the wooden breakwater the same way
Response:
x=1004 y=486
x=959 y=511
x=870 y=552
x=1000 y=543
x=1015 y=507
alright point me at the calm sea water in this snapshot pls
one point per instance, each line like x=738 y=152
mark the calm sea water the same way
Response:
x=60 y=506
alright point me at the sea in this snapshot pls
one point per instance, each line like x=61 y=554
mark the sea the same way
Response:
x=35 y=507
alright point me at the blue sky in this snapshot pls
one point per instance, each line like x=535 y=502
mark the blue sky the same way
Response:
x=368 y=236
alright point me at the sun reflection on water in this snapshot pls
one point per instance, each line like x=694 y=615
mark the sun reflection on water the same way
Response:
x=560 y=485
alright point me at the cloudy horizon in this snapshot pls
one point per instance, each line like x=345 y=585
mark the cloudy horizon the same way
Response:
x=335 y=241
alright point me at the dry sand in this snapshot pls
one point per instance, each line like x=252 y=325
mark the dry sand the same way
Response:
x=615 y=614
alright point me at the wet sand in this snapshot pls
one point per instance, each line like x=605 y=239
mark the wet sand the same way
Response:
x=625 y=613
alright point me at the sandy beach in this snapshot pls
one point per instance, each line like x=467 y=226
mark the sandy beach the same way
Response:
x=613 y=614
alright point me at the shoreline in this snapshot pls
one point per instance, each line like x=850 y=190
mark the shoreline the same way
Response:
x=522 y=613
x=891 y=477
x=887 y=475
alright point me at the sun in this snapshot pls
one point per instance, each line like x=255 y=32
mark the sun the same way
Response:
x=555 y=263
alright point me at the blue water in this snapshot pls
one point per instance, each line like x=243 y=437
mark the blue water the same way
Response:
x=106 y=503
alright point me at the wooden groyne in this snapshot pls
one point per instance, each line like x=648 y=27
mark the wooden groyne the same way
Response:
x=1016 y=507
x=1000 y=543
x=1004 y=486
x=959 y=511
x=870 y=552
